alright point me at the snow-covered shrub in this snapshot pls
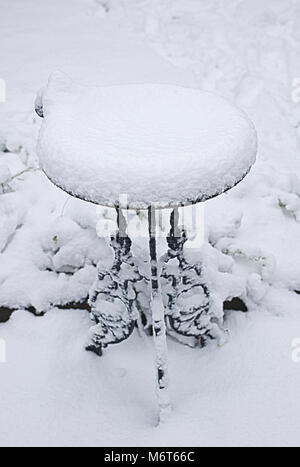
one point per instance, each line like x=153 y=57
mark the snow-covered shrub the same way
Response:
x=5 y=177
x=49 y=247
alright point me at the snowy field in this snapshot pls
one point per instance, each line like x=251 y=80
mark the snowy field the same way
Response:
x=245 y=393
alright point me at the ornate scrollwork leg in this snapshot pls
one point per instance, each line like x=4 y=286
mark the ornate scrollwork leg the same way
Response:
x=187 y=298
x=113 y=296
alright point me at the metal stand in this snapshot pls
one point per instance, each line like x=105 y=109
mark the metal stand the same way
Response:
x=113 y=296
x=187 y=297
x=178 y=302
x=159 y=326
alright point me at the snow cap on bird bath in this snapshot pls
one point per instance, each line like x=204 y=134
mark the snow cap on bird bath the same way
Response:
x=161 y=145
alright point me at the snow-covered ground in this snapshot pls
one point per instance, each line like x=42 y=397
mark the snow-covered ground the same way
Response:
x=52 y=392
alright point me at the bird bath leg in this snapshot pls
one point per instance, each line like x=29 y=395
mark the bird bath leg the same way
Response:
x=113 y=295
x=189 y=317
x=159 y=326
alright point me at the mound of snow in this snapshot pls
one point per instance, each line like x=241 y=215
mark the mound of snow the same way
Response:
x=158 y=144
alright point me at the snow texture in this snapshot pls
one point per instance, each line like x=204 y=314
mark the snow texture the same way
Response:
x=157 y=144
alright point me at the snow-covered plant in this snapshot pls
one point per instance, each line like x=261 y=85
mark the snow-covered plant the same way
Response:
x=5 y=178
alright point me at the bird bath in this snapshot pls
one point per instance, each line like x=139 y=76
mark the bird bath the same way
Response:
x=164 y=147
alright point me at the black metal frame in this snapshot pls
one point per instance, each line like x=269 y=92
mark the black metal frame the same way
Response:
x=113 y=285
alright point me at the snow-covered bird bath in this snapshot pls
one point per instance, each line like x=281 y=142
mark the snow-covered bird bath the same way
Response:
x=163 y=147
